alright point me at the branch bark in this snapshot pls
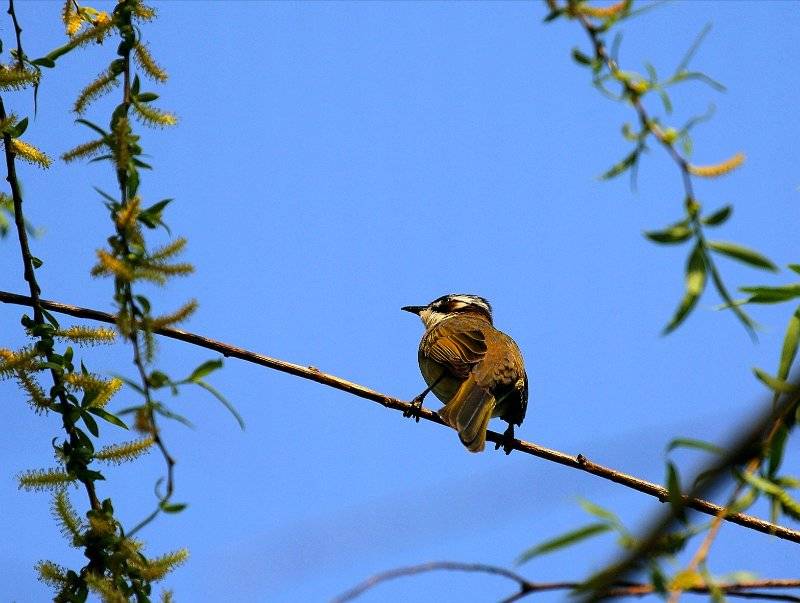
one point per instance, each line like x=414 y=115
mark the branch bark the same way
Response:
x=311 y=373
x=745 y=589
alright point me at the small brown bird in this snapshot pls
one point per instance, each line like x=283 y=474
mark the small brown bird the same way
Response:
x=476 y=370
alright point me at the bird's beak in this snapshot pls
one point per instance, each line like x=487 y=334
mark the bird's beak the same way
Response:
x=413 y=309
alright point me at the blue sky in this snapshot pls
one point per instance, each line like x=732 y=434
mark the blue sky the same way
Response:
x=336 y=161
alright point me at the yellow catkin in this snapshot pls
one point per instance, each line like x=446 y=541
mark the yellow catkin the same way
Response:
x=43 y=479
x=121 y=129
x=719 y=169
x=64 y=513
x=101 y=85
x=170 y=250
x=83 y=151
x=125 y=218
x=154 y=117
x=108 y=264
x=96 y=33
x=104 y=389
x=87 y=335
x=158 y=567
x=604 y=12
x=102 y=526
x=144 y=12
x=108 y=591
x=38 y=400
x=72 y=20
x=179 y=315
x=51 y=573
x=30 y=153
x=148 y=64
x=26 y=359
x=127 y=451
x=12 y=78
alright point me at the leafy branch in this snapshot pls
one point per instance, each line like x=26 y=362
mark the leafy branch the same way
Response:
x=633 y=89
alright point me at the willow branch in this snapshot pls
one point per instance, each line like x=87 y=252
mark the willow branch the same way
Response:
x=744 y=589
x=311 y=373
x=27 y=257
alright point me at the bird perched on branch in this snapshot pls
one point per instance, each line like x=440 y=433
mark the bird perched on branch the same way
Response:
x=476 y=370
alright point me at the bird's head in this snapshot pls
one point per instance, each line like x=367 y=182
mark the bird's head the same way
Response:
x=450 y=305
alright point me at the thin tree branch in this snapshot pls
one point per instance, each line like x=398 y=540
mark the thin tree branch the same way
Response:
x=27 y=257
x=313 y=374
x=744 y=589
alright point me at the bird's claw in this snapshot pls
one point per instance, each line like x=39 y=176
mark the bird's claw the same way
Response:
x=507 y=442
x=413 y=411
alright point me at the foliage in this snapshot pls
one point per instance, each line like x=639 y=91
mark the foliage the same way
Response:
x=50 y=376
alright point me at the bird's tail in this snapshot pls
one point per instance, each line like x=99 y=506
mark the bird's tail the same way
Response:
x=469 y=412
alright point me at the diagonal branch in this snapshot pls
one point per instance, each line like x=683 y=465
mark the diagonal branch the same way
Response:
x=311 y=373
x=745 y=589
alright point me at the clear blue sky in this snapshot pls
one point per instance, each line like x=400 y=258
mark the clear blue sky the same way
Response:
x=335 y=161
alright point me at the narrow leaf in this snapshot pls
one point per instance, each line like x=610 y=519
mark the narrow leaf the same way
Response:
x=564 y=540
x=777 y=385
x=789 y=350
x=623 y=165
x=674 y=234
x=743 y=254
x=208 y=367
x=214 y=392
x=718 y=217
x=771 y=295
x=599 y=512
x=695 y=284
x=693 y=443
x=104 y=414
x=675 y=497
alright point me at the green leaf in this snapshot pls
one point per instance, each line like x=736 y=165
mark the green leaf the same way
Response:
x=208 y=367
x=570 y=538
x=693 y=443
x=599 y=512
x=36 y=262
x=675 y=496
x=104 y=414
x=146 y=97
x=580 y=58
x=777 y=446
x=743 y=254
x=44 y=62
x=19 y=128
x=789 y=350
x=794 y=268
x=622 y=166
x=172 y=507
x=771 y=295
x=698 y=76
x=695 y=284
x=665 y=100
x=157 y=379
x=91 y=424
x=718 y=217
x=94 y=127
x=684 y=63
x=214 y=392
x=777 y=385
x=678 y=233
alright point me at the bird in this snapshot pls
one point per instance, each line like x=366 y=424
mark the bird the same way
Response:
x=476 y=370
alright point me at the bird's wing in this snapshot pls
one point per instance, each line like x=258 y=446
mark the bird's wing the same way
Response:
x=456 y=348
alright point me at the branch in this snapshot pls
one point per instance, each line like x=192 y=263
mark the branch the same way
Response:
x=311 y=373
x=27 y=259
x=745 y=589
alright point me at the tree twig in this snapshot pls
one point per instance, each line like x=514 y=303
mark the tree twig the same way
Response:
x=313 y=374
x=745 y=589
